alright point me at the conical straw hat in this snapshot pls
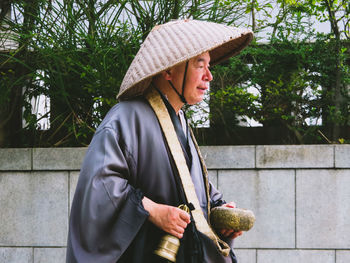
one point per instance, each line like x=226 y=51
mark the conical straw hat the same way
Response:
x=174 y=42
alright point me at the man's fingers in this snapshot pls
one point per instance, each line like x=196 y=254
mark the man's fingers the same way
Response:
x=223 y=232
x=236 y=234
x=230 y=233
x=184 y=219
x=177 y=232
x=180 y=230
x=226 y=232
x=233 y=235
x=168 y=218
x=182 y=224
x=185 y=216
x=230 y=204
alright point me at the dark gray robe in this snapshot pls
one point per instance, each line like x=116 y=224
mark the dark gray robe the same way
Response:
x=126 y=160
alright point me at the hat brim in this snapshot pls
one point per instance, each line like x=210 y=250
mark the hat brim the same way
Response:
x=217 y=54
x=175 y=42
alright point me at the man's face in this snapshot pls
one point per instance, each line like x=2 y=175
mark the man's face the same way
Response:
x=197 y=78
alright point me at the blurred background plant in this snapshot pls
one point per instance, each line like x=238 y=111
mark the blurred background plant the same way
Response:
x=68 y=58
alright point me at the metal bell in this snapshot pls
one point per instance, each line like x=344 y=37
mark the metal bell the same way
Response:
x=169 y=245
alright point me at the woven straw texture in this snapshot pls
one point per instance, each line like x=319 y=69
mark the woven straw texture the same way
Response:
x=178 y=41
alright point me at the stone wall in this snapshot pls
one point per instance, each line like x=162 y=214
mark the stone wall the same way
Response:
x=299 y=194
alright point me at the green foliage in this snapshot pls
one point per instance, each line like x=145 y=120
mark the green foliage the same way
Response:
x=230 y=99
x=295 y=80
x=77 y=52
x=5 y=88
x=78 y=60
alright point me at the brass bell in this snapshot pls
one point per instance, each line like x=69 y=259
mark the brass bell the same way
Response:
x=169 y=245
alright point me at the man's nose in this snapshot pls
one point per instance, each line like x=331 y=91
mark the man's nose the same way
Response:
x=208 y=76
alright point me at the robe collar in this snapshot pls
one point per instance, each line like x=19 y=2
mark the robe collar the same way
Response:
x=183 y=138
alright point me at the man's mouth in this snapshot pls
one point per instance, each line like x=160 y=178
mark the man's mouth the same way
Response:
x=202 y=88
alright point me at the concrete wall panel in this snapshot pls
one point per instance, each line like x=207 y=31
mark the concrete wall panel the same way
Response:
x=58 y=158
x=246 y=255
x=15 y=159
x=73 y=180
x=296 y=256
x=49 y=255
x=342 y=256
x=270 y=195
x=16 y=255
x=342 y=156
x=295 y=156
x=302 y=214
x=226 y=157
x=34 y=209
x=323 y=209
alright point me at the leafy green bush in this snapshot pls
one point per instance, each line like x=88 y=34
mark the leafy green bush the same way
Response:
x=77 y=52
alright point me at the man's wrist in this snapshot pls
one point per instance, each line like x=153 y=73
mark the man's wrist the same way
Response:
x=148 y=205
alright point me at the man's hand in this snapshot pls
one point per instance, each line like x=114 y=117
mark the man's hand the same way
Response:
x=229 y=233
x=170 y=219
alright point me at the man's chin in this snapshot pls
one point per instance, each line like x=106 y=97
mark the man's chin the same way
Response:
x=193 y=102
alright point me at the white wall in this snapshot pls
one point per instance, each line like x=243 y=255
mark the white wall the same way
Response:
x=299 y=194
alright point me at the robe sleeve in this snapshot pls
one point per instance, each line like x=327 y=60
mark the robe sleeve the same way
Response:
x=215 y=196
x=107 y=211
x=216 y=200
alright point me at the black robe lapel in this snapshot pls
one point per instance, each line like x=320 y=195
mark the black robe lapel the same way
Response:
x=179 y=131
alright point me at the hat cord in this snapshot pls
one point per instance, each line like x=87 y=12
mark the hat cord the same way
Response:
x=181 y=96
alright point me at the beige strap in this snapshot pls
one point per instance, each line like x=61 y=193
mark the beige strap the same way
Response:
x=163 y=116
x=204 y=167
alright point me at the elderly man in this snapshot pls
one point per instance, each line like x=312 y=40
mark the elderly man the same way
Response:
x=143 y=161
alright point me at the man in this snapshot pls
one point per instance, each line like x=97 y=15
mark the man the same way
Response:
x=134 y=177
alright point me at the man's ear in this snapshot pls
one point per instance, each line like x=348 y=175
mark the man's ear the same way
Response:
x=166 y=74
